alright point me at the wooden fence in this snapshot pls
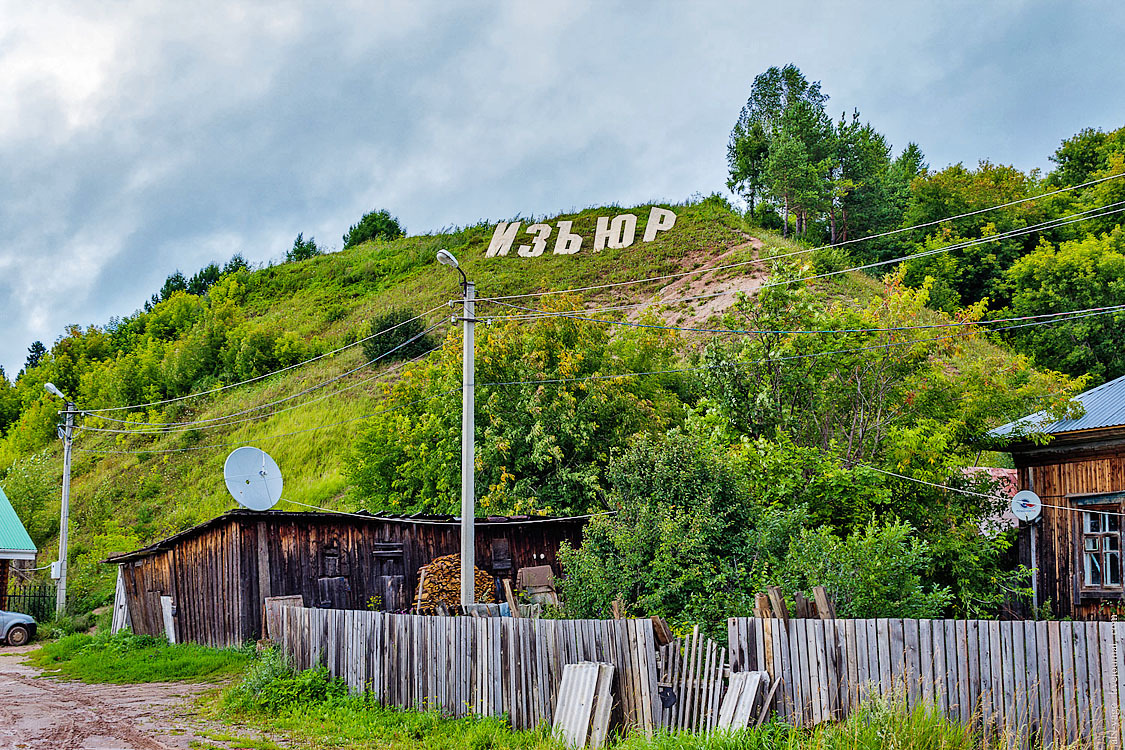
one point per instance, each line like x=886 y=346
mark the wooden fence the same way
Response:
x=1022 y=682
x=694 y=670
x=474 y=665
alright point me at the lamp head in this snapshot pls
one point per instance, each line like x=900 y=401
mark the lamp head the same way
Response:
x=446 y=258
x=54 y=391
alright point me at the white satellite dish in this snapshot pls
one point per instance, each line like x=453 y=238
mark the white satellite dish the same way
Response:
x=1026 y=505
x=253 y=478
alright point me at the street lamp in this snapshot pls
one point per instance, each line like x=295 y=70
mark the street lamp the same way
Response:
x=468 y=427
x=68 y=436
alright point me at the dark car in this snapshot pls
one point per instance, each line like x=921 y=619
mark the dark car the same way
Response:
x=16 y=628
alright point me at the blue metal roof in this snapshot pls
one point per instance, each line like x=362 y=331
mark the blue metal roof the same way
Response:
x=14 y=540
x=1103 y=406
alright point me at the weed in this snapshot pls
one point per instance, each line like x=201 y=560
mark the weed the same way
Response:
x=126 y=658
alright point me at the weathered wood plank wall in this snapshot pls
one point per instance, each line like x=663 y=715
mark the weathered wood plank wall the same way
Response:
x=219 y=574
x=1056 y=475
x=1060 y=682
x=485 y=666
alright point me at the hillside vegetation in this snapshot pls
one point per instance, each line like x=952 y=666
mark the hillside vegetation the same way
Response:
x=757 y=411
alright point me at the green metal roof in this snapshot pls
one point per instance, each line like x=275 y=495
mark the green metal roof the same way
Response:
x=14 y=540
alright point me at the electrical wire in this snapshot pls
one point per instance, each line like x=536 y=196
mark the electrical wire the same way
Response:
x=177 y=427
x=269 y=437
x=752 y=331
x=793 y=357
x=1052 y=224
x=888 y=233
x=979 y=494
x=266 y=375
x=168 y=427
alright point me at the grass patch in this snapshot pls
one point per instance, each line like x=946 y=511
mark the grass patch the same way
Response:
x=126 y=658
x=310 y=709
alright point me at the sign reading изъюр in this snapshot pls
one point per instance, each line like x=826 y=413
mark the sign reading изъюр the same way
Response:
x=618 y=233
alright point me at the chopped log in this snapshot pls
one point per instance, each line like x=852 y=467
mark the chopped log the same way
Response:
x=440 y=582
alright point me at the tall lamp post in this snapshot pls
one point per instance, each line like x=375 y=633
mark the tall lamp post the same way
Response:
x=468 y=428
x=67 y=436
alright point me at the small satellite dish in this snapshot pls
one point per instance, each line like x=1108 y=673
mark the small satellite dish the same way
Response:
x=253 y=478
x=1026 y=505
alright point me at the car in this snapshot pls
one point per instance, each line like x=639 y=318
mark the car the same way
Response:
x=16 y=628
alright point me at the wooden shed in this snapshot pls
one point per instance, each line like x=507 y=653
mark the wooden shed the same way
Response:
x=1075 y=546
x=218 y=573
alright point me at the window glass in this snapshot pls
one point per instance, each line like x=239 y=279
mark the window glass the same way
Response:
x=1113 y=569
x=1093 y=569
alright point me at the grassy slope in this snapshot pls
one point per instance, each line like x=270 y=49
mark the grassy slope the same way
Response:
x=328 y=301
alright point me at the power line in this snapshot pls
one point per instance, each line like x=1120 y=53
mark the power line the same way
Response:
x=266 y=375
x=980 y=494
x=1052 y=224
x=187 y=426
x=814 y=355
x=888 y=233
x=274 y=436
x=751 y=331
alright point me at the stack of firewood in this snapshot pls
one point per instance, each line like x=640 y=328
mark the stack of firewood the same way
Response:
x=440 y=583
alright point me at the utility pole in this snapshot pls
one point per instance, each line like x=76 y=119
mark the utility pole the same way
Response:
x=468 y=432
x=64 y=523
x=468 y=448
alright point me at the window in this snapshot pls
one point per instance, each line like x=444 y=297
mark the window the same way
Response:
x=1101 y=549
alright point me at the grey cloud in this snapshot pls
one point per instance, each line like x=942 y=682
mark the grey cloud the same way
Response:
x=208 y=129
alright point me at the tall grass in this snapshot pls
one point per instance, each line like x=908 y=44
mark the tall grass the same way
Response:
x=126 y=658
x=313 y=709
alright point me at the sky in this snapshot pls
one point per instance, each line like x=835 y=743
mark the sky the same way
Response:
x=138 y=138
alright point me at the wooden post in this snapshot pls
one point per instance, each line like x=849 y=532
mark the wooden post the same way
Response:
x=762 y=606
x=618 y=608
x=511 y=598
x=824 y=606
x=778 y=603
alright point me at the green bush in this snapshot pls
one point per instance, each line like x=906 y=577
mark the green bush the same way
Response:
x=272 y=685
x=374 y=225
x=395 y=329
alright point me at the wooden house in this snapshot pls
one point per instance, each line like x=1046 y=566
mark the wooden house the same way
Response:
x=219 y=573
x=1075 y=546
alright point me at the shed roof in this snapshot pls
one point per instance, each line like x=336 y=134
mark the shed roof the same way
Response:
x=15 y=542
x=1104 y=407
x=362 y=517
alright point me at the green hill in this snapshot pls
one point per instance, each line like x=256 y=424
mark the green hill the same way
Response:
x=130 y=489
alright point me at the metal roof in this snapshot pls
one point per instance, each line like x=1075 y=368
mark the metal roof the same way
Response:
x=15 y=543
x=1103 y=406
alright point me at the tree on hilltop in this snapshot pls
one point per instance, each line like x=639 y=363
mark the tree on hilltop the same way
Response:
x=374 y=225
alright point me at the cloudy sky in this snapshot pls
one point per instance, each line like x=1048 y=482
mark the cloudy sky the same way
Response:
x=141 y=137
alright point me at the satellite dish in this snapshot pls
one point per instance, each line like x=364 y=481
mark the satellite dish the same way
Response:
x=1026 y=505
x=253 y=478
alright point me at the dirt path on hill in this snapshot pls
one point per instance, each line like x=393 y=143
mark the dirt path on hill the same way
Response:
x=45 y=713
x=707 y=282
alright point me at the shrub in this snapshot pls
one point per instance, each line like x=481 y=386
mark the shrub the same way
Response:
x=393 y=329
x=374 y=225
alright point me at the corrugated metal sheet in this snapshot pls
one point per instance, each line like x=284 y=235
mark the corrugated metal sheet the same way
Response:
x=583 y=700
x=1104 y=407
x=15 y=543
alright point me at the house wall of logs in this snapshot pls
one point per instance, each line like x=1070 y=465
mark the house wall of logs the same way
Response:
x=219 y=573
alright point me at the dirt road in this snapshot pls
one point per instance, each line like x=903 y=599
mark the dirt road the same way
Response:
x=47 y=713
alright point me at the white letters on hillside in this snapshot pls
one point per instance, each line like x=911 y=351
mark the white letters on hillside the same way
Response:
x=620 y=232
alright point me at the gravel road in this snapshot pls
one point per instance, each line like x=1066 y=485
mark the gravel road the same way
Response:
x=40 y=712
